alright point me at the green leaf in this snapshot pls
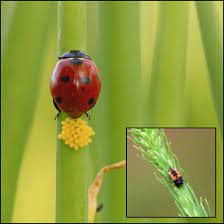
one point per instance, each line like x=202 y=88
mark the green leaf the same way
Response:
x=119 y=63
x=22 y=61
x=166 y=89
x=213 y=49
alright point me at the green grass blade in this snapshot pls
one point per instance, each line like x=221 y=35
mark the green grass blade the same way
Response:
x=8 y=9
x=202 y=206
x=210 y=34
x=183 y=214
x=71 y=26
x=100 y=114
x=166 y=91
x=22 y=60
x=120 y=70
x=72 y=166
x=177 y=162
x=208 y=207
x=191 y=192
x=170 y=153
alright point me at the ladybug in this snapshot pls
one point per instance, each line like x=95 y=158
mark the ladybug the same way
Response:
x=175 y=177
x=75 y=83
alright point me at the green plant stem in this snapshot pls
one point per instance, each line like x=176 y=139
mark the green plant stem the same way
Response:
x=209 y=26
x=165 y=103
x=22 y=61
x=100 y=115
x=121 y=93
x=72 y=166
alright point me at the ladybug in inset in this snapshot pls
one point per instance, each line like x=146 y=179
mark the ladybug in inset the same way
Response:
x=175 y=177
x=75 y=83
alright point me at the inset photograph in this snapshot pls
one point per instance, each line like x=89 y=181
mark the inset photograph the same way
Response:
x=171 y=172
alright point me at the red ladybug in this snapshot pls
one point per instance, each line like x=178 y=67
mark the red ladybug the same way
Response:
x=75 y=83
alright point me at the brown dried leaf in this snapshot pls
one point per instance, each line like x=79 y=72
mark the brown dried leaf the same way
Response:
x=95 y=188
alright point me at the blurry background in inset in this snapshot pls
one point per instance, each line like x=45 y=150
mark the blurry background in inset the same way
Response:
x=195 y=149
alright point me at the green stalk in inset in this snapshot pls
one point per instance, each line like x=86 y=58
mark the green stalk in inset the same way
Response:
x=72 y=166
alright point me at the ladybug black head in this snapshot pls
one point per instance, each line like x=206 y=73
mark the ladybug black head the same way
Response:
x=74 y=54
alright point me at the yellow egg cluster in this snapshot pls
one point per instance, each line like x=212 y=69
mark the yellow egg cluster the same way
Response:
x=76 y=133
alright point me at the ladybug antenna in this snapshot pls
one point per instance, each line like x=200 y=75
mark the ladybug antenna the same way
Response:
x=56 y=107
x=57 y=115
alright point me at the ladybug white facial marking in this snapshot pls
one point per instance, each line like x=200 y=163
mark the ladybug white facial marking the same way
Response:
x=83 y=55
x=76 y=61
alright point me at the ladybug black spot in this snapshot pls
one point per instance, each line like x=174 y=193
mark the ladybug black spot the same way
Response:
x=58 y=99
x=85 y=80
x=65 y=78
x=76 y=61
x=83 y=89
x=91 y=101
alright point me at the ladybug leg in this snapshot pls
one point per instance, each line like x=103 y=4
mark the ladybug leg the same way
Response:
x=56 y=107
x=57 y=115
x=59 y=111
x=99 y=207
x=87 y=115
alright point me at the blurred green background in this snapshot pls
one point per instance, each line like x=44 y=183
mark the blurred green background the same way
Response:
x=161 y=65
x=195 y=148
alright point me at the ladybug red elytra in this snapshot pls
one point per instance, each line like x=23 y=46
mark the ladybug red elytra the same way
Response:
x=75 y=83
